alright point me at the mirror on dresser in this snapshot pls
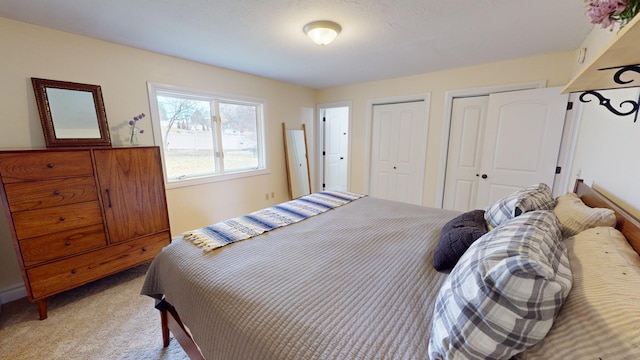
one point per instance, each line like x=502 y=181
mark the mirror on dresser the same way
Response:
x=295 y=151
x=72 y=114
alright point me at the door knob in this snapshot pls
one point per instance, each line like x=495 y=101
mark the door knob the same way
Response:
x=484 y=176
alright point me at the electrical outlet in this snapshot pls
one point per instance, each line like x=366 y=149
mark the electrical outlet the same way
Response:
x=266 y=196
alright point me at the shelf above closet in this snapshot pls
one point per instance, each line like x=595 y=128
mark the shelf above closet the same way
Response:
x=622 y=51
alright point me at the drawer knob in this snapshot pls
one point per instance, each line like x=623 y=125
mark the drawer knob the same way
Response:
x=62 y=218
x=56 y=192
x=68 y=243
x=74 y=271
x=144 y=249
x=50 y=166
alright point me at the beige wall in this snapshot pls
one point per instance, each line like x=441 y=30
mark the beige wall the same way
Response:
x=122 y=72
x=554 y=68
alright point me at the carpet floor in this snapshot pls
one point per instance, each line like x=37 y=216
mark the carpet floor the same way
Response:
x=106 y=319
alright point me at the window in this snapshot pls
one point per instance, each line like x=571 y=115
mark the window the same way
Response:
x=206 y=137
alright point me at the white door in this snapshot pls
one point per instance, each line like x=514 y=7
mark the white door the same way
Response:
x=522 y=141
x=517 y=146
x=398 y=150
x=468 y=119
x=336 y=147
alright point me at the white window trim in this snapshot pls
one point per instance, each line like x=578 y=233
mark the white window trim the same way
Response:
x=153 y=88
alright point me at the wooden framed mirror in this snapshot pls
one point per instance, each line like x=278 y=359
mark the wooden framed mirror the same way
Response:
x=297 y=161
x=71 y=114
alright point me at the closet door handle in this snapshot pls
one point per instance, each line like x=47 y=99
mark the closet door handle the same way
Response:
x=108 y=196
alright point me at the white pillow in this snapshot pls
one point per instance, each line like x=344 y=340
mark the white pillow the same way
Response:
x=601 y=316
x=576 y=217
x=534 y=197
x=504 y=292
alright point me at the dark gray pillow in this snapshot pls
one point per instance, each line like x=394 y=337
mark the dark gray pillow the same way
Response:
x=456 y=236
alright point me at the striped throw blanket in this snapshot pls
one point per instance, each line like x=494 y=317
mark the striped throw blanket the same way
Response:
x=244 y=227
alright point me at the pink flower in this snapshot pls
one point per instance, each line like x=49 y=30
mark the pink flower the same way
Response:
x=608 y=12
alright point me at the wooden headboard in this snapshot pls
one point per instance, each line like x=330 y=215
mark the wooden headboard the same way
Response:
x=627 y=224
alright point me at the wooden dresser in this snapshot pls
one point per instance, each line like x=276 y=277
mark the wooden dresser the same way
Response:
x=77 y=215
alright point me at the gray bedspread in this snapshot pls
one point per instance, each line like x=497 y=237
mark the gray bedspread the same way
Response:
x=356 y=282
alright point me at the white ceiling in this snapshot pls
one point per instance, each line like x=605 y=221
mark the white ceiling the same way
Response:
x=379 y=40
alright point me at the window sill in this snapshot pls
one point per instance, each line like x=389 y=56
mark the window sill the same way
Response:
x=214 y=178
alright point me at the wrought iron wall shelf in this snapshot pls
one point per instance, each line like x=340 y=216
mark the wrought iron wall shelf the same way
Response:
x=616 y=66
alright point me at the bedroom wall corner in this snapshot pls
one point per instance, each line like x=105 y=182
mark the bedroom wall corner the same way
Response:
x=9 y=269
x=593 y=44
x=123 y=73
x=553 y=68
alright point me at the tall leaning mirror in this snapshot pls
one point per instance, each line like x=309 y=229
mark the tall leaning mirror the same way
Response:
x=295 y=151
x=72 y=114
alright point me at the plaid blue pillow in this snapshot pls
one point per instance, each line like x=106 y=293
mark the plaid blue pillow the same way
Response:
x=534 y=197
x=504 y=293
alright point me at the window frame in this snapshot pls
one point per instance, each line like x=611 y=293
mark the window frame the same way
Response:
x=214 y=98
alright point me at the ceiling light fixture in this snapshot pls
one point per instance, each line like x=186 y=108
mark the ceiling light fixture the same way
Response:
x=322 y=32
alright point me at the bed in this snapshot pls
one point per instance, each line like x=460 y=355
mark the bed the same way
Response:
x=358 y=282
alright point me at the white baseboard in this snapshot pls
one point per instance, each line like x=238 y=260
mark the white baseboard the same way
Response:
x=12 y=293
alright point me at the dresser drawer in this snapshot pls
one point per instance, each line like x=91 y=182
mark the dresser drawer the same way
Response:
x=61 y=244
x=45 y=221
x=40 y=165
x=42 y=194
x=65 y=274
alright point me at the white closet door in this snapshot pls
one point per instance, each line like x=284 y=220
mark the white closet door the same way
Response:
x=521 y=142
x=398 y=150
x=468 y=119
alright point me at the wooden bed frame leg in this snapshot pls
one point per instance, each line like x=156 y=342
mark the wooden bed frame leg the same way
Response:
x=165 y=327
x=170 y=322
x=42 y=308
